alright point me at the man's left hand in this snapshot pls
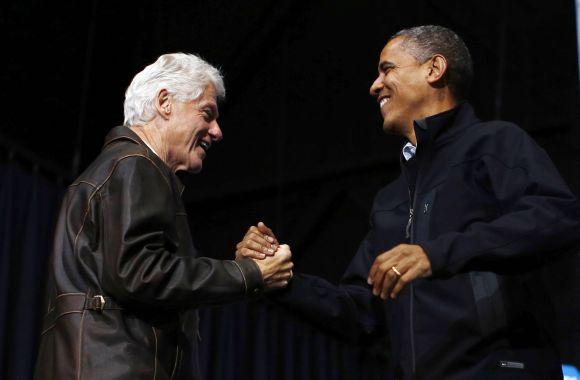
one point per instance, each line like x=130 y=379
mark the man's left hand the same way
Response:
x=258 y=243
x=394 y=269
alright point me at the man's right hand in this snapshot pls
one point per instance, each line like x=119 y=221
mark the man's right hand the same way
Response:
x=277 y=269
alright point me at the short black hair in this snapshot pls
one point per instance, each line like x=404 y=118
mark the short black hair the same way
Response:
x=423 y=42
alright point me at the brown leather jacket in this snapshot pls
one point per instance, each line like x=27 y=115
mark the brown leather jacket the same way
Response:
x=124 y=276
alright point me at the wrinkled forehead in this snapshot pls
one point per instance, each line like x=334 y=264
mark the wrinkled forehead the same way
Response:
x=208 y=98
x=209 y=93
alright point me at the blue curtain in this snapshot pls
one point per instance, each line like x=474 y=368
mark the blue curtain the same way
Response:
x=255 y=340
x=29 y=206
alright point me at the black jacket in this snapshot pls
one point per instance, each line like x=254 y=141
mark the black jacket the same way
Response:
x=488 y=207
x=124 y=276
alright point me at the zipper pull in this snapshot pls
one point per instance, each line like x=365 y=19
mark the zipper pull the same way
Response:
x=408 y=229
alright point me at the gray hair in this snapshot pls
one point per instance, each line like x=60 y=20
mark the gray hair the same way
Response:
x=184 y=76
x=423 y=42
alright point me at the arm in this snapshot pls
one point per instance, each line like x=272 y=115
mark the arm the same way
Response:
x=348 y=310
x=540 y=216
x=141 y=266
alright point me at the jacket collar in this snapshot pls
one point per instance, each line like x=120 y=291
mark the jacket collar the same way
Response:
x=122 y=133
x=445 y=125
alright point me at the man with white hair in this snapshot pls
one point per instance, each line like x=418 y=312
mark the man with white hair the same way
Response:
x=124 y=276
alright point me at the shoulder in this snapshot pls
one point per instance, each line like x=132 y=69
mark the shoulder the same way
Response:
x=496 y=131
x=498 y=139
x=124 y=162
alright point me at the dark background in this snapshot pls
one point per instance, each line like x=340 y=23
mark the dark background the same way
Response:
x=303 y=148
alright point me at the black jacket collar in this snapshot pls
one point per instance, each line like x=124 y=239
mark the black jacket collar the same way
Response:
x=122 y=133
x=444 y=126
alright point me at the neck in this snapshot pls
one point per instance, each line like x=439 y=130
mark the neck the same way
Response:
x=152 y=135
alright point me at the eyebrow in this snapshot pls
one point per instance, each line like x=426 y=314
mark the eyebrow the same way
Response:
x=384 y=65
x=214 y=108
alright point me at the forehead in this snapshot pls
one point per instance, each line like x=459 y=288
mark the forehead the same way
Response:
x=208 y=96
x=394 y=53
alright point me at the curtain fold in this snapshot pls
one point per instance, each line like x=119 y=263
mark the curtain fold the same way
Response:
x=29 y=204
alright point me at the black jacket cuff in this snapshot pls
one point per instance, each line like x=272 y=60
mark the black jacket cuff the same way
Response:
x=253 y=281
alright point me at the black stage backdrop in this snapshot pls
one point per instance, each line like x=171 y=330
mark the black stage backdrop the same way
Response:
x=303 y=148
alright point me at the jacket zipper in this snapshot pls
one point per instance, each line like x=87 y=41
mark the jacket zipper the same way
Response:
x=411 y=237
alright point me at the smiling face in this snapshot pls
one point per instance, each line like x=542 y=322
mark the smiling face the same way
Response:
x=401 y=88
x=192 y=129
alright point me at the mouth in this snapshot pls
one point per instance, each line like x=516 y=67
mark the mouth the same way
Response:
x=204 y=145
x=383 y=100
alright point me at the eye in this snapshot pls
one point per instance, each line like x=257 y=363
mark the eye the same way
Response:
x=208 y=114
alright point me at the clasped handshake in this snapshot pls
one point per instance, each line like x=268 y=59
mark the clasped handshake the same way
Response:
x=389 y=274
x=273 y=259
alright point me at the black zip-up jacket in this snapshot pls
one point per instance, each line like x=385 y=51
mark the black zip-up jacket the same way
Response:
x=124 y=276
x=488 y=207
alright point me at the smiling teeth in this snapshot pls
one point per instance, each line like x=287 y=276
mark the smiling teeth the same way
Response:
x=383 y=102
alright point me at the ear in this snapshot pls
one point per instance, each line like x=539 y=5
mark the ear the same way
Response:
x=437 y=67
x=163 y=103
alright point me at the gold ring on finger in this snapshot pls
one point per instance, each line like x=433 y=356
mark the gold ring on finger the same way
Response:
x=394 y=268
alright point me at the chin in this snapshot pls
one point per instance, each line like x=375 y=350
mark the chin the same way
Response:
x=393 y=128
x=195 y=169
x=389 y=128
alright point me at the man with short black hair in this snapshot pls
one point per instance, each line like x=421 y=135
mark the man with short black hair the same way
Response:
x=478 y=205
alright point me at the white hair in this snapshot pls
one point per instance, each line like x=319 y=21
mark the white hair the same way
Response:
x=184 y=76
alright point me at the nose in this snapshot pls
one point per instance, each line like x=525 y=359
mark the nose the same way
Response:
x=215 y=131
x=377 y=86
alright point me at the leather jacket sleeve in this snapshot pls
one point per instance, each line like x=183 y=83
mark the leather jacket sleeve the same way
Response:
x=144 y=263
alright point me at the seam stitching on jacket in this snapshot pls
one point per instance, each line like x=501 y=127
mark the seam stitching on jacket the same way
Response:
x=176 y=359
x=57 y=297
x=155 y=357
x=83 y=181
x=57 y=318
x=243 y=275
x=101 y=186
x=80 y=347
x=109 y=142
x=497 y=159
